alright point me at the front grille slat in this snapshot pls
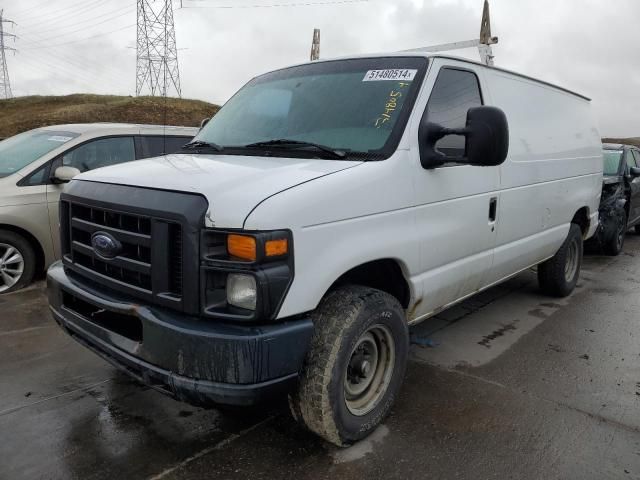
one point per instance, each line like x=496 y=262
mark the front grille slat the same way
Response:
x=122 y=235
x=122 y=262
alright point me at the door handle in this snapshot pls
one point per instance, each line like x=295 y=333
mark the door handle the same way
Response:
x=493 y=209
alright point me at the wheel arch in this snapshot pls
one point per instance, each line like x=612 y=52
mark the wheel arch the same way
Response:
x=583 y=220
x=33 y=241
x=386 y=274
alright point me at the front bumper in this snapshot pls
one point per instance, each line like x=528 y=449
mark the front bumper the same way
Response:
x=199 y=361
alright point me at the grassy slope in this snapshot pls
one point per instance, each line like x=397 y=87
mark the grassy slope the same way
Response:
x=627 y=141
x=25 y=113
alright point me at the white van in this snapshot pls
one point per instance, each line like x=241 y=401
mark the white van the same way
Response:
x=323 y=210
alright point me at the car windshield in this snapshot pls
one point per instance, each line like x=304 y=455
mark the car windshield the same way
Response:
x=612 y=161
x=19 y=151
x=352 y=106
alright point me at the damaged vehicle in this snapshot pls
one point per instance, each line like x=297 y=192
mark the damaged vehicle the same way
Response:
x=620 y=202
x=323 y=210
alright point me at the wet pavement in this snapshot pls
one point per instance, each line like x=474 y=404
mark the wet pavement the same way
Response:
x=510 y=384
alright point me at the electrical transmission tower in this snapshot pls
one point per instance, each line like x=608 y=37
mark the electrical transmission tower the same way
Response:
x=5 y=85
x=315 y=46
x=157 y=53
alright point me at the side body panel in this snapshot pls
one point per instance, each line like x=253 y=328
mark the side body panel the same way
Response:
x=26 y=209
x=343 y=220
x=554 y=168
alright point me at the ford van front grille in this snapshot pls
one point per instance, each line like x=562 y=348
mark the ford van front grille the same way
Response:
x=132 y=263
x=135 y=251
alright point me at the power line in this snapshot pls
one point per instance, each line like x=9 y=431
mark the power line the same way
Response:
x=88 y=22
x=90 y=25
x=87 y=7
x=80 y=65
x=279 y=5
x=81 y=39
x=5 y=84
x=33 y=7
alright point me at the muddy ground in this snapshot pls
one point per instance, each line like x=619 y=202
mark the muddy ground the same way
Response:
x=510 y=384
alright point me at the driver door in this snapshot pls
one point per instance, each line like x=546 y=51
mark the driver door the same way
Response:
x=458 y=204
x=96 y=153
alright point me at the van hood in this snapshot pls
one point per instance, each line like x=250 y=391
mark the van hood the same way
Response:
x=232 y=184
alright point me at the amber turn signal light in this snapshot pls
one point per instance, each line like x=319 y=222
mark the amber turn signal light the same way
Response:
x=242 y=246
x=276 y=248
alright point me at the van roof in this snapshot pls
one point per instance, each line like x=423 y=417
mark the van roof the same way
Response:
x=423 y=54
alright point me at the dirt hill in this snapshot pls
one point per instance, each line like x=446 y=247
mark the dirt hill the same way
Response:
x=24 y=113
x=627 y=141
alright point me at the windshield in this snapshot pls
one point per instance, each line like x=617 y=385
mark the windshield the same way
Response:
x=355 y=106
x=19 y=151
x=612 y=161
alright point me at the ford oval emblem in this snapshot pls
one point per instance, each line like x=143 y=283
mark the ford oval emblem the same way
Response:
x=105 y=245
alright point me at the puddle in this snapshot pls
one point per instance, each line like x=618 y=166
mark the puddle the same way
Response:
x=362 y=448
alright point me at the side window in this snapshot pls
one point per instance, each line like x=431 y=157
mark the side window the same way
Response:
x=153 y=146
x=39 y=177
x=636 y=158
x=454 y=93
x=100 y=153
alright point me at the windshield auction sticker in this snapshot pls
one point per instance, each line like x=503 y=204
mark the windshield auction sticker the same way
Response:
x=390 y=74
x=59 y=138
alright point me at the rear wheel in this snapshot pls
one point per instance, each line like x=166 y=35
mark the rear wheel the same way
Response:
x=355 y=365
x=17 y=262
x=559 y=275
x=614 y=245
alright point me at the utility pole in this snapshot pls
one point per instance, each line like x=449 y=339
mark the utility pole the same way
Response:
x=5 y=84
x=483 y=43
x=157 y=52
x=315 y=46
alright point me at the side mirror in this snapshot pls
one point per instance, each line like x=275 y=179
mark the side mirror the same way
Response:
x=65 y=174
x=204 y=122
x=634 y=171
x=487 y=139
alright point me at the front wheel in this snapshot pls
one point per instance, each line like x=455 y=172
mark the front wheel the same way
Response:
x=355 y=365
x=559 y=275
x=614 y=245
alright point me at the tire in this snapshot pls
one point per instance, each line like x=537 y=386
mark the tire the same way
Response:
x=614 y=245
x=559 y=275
x=17 y=262
x=343 y=395
x=637 y=229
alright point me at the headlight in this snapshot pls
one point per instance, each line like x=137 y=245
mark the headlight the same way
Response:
x=241 y=291
x=244 y=274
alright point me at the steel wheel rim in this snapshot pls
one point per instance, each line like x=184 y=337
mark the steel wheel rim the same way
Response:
x=369 y=370
x=11 y=266
x=571 y=264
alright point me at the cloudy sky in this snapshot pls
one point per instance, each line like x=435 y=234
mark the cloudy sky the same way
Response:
x=69 y=46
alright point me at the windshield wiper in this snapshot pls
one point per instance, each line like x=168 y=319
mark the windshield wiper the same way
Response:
x=298 y=144
x=199 y=145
